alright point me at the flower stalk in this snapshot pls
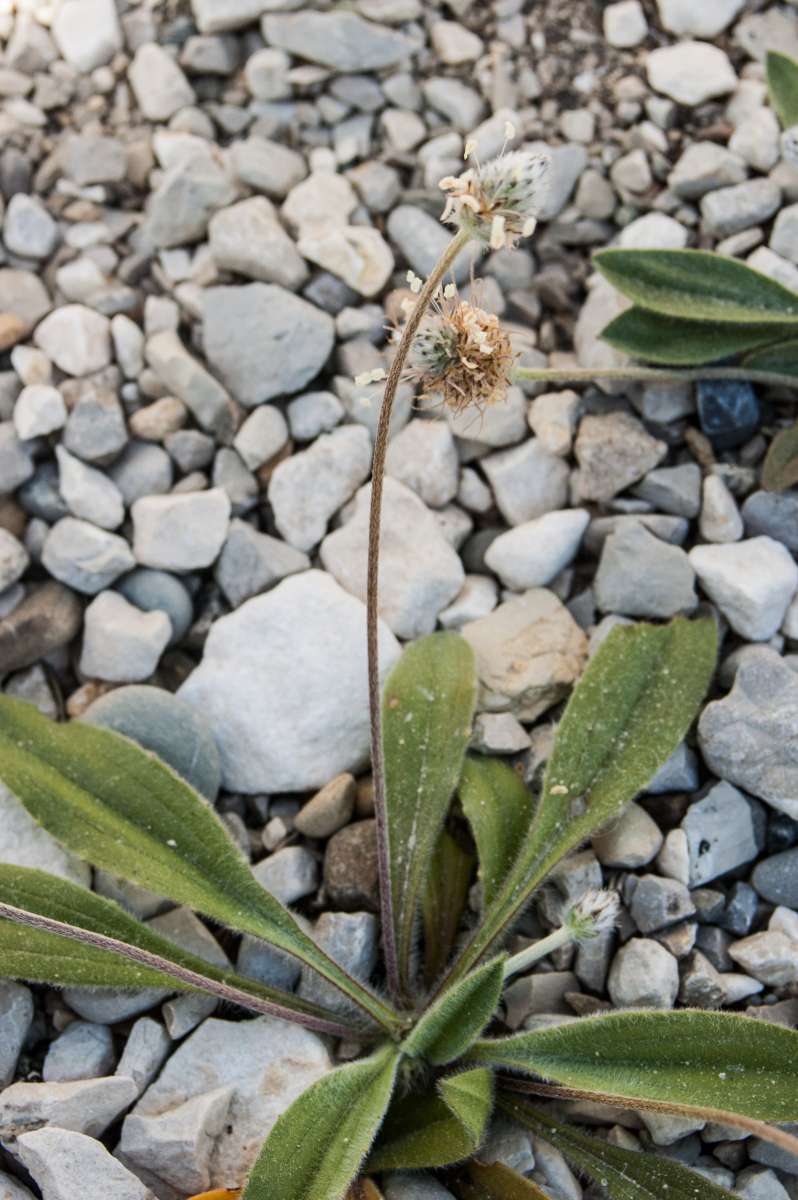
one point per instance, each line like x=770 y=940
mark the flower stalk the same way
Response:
x=596 y=912
x=651 y=375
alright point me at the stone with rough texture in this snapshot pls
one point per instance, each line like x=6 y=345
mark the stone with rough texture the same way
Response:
x=351 y=940
x=39 y=410
x=308 y=488
x=776 y=878
x=176 y=1146
x=770 y=956
x=613 y=452
x=330 y=809
x=14 y=559
x=730 y=210
x=66 y=1164
x=159 y=85
x=266 y=1063
x=47 y=618
x=533 y=554
x=187 y=379
x=631 y=842
x=82 y=1105
x=248 y=238
x=704 y=20
x=244 y=327
x=89 y=493
x=180 y=532
x=724 y=831
x=639 y=575
x=283 y=685
x=84 y=557
x=189 y=192
x=691 y=72
x=749 y=738
x=423 y=456
x=28 y=228
x=145 y=1052
x=12 y=1189
x=76 y=339
x=82 y=1051
x=752 y=582
x=16 y=1015
x=252 y=562
x=340 y=40
x=357 y=254
x=527 y=481
x=420 y=573
x=23 y=294
x=122 y=644
x=529 y=652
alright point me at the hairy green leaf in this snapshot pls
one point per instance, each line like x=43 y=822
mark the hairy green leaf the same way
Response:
x=445 y=900
x=623 y=1174
x=780 y=468
x=781 y=358
x=499 y=808
x=675 y=341
x=428 y=707
x=120 y=808
x=40 y=956
x=702 y=1059
x=698 y=286
x=456 y=1019
x=436 y=1130
x=782 y=76
x=625 y=717
x=492 y=1181
x=317 y=1146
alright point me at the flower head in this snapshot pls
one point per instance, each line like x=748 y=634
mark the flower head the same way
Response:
x=462 y=354
x=501 y=201
x=595 y=912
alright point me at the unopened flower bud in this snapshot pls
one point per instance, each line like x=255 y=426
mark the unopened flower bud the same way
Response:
x=594 y=913
x=501 y=201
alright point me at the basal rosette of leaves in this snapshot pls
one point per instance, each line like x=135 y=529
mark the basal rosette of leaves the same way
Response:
x=435 y=1064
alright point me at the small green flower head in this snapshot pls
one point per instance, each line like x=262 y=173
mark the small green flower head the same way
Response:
x=594 y=913
x=500 y=202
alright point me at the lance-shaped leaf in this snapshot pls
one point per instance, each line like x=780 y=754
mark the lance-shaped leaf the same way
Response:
x=698 y=286
x=445 y=900
x=316 y=1147
x=658 y=338
x=120 y=808
x=42 y=956
x=781 y=358
x=428 y=707
x=492 y=1181
x=436 y=1130
x=499 y=810
x=708 y=1060
x=457 y=1018
x=626 y=716
x=782 y=76
x=623 y=1174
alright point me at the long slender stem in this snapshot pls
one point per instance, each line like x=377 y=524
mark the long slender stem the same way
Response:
x=538 y=950
x=185 y=975
x=652 y=375
x=426 y=294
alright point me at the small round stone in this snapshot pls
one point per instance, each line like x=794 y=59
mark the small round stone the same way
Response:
x=168 y=726
x=149 y=589
x=351 y=874
x=330 y=809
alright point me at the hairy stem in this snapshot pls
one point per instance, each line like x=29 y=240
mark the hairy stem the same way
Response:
x=547 y=945
x=192 y=979
x=651 y=375
x=458 y=242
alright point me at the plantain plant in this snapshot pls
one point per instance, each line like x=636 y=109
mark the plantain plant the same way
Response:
x=434 y=1059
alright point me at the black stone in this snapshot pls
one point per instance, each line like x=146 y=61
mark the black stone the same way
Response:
x=728 y=411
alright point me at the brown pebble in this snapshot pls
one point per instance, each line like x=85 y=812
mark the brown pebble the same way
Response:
x=329 y=810
x=364 y=801
x=351 y=874
x=12 y=330
x=49 y=617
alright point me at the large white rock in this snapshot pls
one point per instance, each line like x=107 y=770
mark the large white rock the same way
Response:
x=283 y=685
x=691 y=72
x=705 y=19
x=267 y=1064
x=87 y=32
x=420 y=573
x=752 y=583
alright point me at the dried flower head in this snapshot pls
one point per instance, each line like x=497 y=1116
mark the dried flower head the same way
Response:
x=501 y=201
x=595 y=912
x=461 y=354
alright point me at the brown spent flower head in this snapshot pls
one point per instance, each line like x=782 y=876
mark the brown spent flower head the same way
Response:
x=462 y=355
x=501 y=201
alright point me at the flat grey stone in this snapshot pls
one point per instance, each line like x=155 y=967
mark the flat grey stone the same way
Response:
x=253 y=562
x=533 y=554
x=65 y=1164
x=752 y=582
x=659 y=902
x=776 y=878
x=774 y=514
x=691 y=72
x=76 y=338
x=527 y=481
x=84 y=1105
x=340 y=40
x=23 y=294
x=158 y=83
x=308 y=488
x=28 y=229
x=421 y=240
x=643 y=975
x=89 y=493
x=203 y=396
x=749 y=737
x=82 y=1051
x=674 y=490
x=727 y=211
x=16 y=1017
x=176 y=1146
x=262 y=436
x=256 y=323
x=248 y=239
x=613 y=451
x=86 y=558
x=423 y=456
x=145 y=1052
x=191 y=190
x=283 y=684
x=95 y=431
x=641 y=576
x=122 y=644
x=180 y=532
x=16 y=459
x=267 y=166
